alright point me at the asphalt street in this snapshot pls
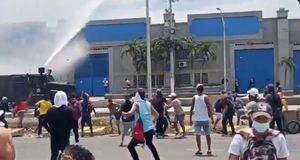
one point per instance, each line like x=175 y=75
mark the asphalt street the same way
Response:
x=107 y=148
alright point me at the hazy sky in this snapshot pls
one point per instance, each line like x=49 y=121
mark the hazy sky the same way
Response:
x=115 y=9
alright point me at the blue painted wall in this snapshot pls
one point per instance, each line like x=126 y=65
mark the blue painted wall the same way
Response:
x=244 y=25
x=297 y=71
x=257 y=63
x=115 y=32
x=90 y=74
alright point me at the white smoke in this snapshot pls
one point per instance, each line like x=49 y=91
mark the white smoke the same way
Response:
x=30 y=31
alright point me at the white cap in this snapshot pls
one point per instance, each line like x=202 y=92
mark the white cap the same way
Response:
x=253 y=92
x=173 y=95
x=198 y=85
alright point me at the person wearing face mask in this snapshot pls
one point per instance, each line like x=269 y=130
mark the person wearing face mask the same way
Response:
x=259 y=142
x=60 y=120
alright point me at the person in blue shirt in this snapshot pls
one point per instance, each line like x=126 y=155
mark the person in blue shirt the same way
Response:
x=145 y=111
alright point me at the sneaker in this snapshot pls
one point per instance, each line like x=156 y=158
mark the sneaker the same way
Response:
x=39 y=136
x=198 y=153
x=209 y=153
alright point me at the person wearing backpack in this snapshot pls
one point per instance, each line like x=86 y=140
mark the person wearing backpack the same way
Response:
x=144 y=111
x=273 y=99
x=259 y=142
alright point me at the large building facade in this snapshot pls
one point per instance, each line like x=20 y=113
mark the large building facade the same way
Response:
x=254 y=48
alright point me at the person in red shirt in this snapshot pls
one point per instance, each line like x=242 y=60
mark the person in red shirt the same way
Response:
x=20 y=109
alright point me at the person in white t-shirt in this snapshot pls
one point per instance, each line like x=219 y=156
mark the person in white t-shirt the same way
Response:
x=203 y=112
x=259 y=142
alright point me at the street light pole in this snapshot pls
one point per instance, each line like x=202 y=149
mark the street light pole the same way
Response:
x=171 y=32
x=149 y=81
x=224 y=48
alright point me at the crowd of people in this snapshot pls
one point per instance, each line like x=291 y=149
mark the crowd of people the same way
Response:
x=259 y=140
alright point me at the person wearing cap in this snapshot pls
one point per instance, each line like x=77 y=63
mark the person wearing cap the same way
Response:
x=273 y=99
x=4 y=104
x=179 y=113
x=60 y=121
x=203 y=112
x=159 y=103
x=269 y=143
x=253 y=96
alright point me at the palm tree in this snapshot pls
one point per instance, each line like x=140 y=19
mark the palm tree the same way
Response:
x=192 y=48
x=208 y=52
x=136 y=49
x=288 y=64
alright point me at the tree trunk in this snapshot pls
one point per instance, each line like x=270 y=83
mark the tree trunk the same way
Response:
x=285 y=76
x=201 y=71
x=137 y=81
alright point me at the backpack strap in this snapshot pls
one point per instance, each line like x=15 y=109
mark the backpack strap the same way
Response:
x=249 y=135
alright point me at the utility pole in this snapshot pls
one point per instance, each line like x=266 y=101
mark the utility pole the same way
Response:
x=171 y=32
x=224 y=48
x=149 y=81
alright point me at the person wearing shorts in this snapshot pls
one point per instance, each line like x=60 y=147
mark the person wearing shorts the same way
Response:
x=115 y=115
x=127 y=122
x=179 y=113
x=203 y=112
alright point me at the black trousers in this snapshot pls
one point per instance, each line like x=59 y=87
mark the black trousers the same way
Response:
x=161 y=125
x=227 y=118
x=4 y=121
x=42 y=123
x=57 y=145
x=278 y=121
x=75 y=130
x=149 y=137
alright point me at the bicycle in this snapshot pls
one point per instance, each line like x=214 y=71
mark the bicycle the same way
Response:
x=293 y=127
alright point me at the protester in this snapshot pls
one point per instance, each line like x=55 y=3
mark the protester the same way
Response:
x=239 y=108
x=127 y=122
x=273 y=99
x=76 y=107
x=159 y=103
x=179 y=113
x=4 y=104
x=252 y=83
x=20 y=109
x=259 y=142
x=115 y=115
x=2 y=117
x=253 y=96
x=218 y=108
x=60 y=121
x=86 y=110
x=203 y=111
x=228 y=112
x=145 y=111
x=278 y=87
x=7 y=150
x=42 y=107
x=105 y=84
x=75 y=152
x=237 y=86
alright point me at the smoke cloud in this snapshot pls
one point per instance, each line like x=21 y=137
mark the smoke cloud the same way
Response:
x=32 y=31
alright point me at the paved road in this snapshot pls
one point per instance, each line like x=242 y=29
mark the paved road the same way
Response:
x=106 y=148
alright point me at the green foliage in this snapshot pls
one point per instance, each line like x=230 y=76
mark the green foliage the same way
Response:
x=137 y=49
